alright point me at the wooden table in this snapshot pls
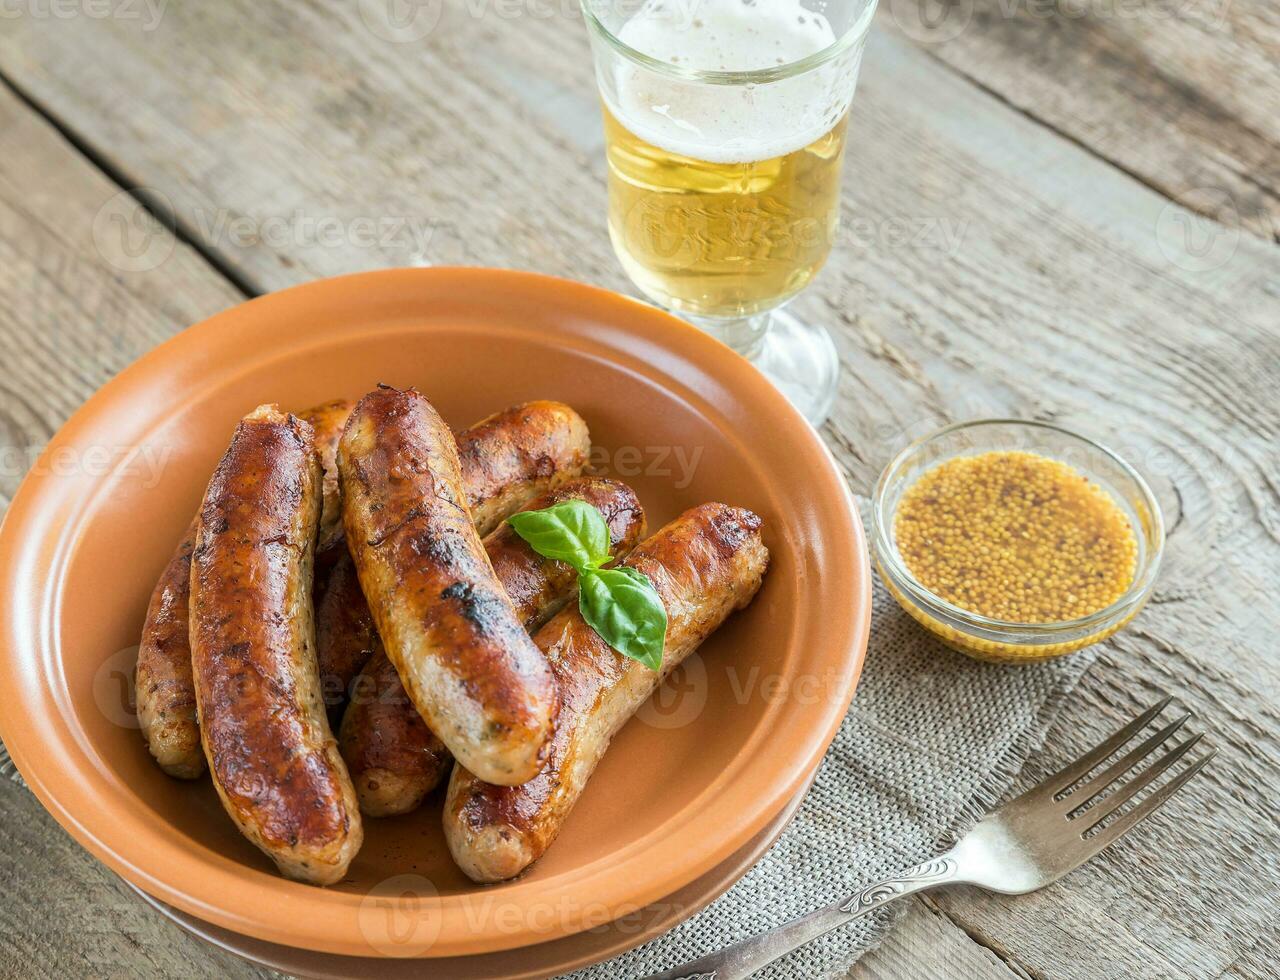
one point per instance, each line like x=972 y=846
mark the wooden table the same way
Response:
x=1060 y=211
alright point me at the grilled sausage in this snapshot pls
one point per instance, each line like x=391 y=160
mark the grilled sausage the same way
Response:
x=705 y=564
x=165 y=690
x=452 y=633
x=327 y=422
x=507 y=460
x=393 y=757
x=273 y=759
x=345 y=635
x=518 y=454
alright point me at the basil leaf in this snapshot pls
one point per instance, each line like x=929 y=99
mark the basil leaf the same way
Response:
x=572 y=531
x=622 y=605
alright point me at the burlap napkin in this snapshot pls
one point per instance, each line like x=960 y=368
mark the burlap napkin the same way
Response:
x=932 y=741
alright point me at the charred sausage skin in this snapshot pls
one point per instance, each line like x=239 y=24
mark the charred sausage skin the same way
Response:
x=507 y=460
x=165 y=689
x=707 y=563
x=447 y=626
x=272 y=757
x=394 y=758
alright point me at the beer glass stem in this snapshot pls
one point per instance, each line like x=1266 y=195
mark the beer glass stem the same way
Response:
x=800 y=358
x=744 y=334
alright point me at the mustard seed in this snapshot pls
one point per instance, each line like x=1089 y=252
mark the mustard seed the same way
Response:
x=1016 y=536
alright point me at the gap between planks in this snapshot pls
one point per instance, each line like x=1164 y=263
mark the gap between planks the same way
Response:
x=99 y=161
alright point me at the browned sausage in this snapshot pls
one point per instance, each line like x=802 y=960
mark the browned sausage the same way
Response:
x=165 y=691
x=345 y=634
x=446 y=624
x=273 y=760
x=507 y=460
x=705 y=564
x=518 y=454
x=328 y=421
x=393 y=757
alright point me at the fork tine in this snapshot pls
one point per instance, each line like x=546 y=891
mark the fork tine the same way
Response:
x=1100 y=782
x=1068 y=776
x=1148 y=806
x=1144 y=779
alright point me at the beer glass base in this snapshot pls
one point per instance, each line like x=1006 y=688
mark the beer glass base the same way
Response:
x=799 y=358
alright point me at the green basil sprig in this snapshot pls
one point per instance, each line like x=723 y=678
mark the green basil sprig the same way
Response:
x=620 y=604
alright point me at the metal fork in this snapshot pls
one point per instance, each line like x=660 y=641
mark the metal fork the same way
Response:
x=1020 y=847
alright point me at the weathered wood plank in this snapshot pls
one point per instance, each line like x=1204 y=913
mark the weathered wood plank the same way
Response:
x=924 y=946
x=1188 y=894
x=988 y=267
x=1068 y=302
x=84 y=295
x=412 y=140
x=71 y=317
x=1182 y=94
x=66 y=916
x=79 y=302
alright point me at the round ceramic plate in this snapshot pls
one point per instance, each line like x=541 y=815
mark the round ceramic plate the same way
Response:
x=689 y=782
x=530 y=963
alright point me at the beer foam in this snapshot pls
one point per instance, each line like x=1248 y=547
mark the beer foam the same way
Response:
x=729 y=123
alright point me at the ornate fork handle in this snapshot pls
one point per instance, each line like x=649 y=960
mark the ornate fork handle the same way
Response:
x=742 y=959
x=924 y=875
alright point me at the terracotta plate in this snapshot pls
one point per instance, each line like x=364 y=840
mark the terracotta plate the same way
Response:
x=687 y=784
x=529 y=963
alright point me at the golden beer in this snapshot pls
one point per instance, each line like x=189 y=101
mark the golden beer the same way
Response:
x=722 y=239
x=725 y=125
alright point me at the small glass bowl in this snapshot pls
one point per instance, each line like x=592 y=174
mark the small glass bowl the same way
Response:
x=998 y=640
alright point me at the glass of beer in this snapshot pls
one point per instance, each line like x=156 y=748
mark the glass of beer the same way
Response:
x=725 y=126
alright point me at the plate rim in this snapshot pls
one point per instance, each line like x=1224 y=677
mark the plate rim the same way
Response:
x=742 y=861
x=109 y=838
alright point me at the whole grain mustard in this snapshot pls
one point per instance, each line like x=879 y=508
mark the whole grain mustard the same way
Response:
x=1016 y=536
